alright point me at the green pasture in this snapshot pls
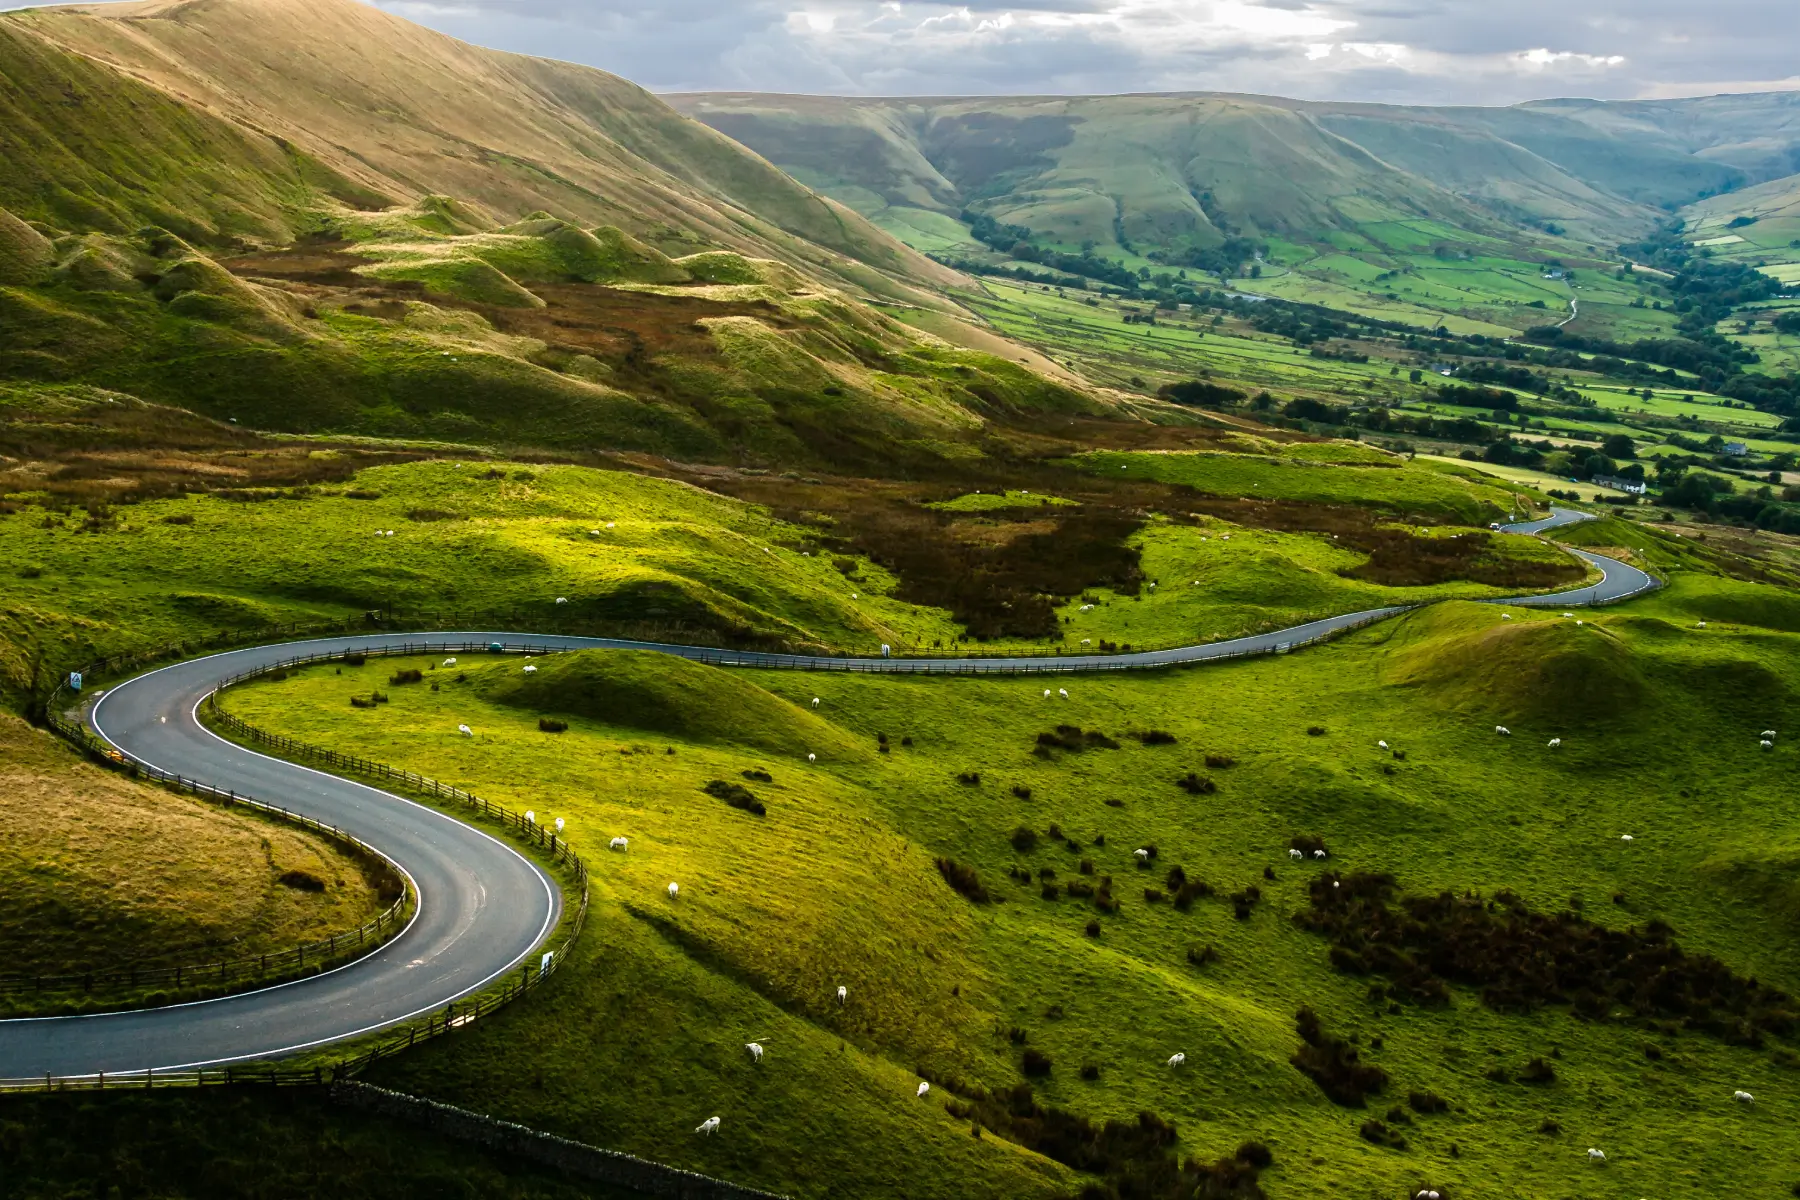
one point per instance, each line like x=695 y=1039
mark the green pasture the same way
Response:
x=1436 y=490
x=642 y=1036
x=992 y=501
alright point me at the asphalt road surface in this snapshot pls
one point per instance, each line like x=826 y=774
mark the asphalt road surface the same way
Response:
x=483 y=908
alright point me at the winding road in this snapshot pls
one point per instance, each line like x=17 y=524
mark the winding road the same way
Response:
x=483 y=909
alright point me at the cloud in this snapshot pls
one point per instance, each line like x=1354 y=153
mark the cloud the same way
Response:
x=1430 y=51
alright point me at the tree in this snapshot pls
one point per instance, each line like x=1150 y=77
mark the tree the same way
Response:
x=1599 y=464
x=1619 y=445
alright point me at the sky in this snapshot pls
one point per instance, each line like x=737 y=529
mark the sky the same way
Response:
x=1394 y=51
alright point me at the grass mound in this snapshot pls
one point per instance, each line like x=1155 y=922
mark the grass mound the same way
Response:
x=24 y=252
x=1537 y=669
x=465 y=277
x=656 y=693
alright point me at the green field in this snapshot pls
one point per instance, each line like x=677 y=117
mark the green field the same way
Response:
x=836 y=885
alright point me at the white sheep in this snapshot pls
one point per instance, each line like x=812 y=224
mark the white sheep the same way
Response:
x=755 y=1049
x=1295 y=854
x=1568 y=614
x=449 y=662
x=674 y=890
x=1506 y=616
x=1503 y=731
x=1046 y=693
x=530 y=670
x=559 y=824
x=619 y=843
x=708 y=1126
x=562 y=599
x=593 y=533
x=1087 y=641
x=1700 y=625
x=1318 y=854
x=1142 y=854
x=1770 y=734
x=465 y=731
x=1556 y=743
x=843 y=993
x=924 y=1089
x=812 y=758
x=1382 y=744
x=1625 y=837
x=815 y=702
x=1766 y=744
x=1743 y=1097
x=1175 y=1060
x=610 y=524
x=1063 y=692
x=1596 y=1156
x=531 y=816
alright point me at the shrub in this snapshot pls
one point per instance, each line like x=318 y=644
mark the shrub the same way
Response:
x=1537 y=1071
x=1092 y=929
x=1427 y=1103
x=379 y=697
x=736 y=795
x=969 y=779
x=1024 y=839
x=759 y=776
x=1071 y=737
x=1050 y=891
x=424 y=515
x=1201 y=956
x=355 y=660
x=1090 y=1072
x=1242 y=902
x=1036 y=1063
x=1156 y=737
x=1309 y=844
x=1023 y=793
x=1220 y=761
x=1379 y=1134
x=1333 y=1064
x=302 y=881
x=1523 y=960
x=546 y=725
x=361 y=494
x=1315 y=731
x=408 y=675
x=1196 y=786
x=963 y=879
x=1551 y=1128
x=1079 y=889
x=1154 y=895
x=359 y=702
x=1055 y=832
x=1086 y=866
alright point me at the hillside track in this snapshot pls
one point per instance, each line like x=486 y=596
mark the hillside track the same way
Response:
x=482 y=907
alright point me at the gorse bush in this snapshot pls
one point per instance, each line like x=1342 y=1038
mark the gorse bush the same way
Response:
x=736 y=795
x=546 y=725
x=962 y=878
x=1334 y=1064
x=406 y=675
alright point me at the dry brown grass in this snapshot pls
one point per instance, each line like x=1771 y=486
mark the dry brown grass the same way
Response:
x=97 y=872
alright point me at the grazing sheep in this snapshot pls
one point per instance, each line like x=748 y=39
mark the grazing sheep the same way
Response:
x=1295 y=854
x=1175 y=1060
x=593 y=533
x=1503 y=731
x=562 y=599
x=1743 y=1097
x=1063 y=692
x=530 y=670
x=1556 y=743
x=559 y=824
x=1506 y=616
x=1318 y=854
x=1700 y=625
x=1046 y=693
x=1142 y=855
x=812 y=758
x=449 y=662
x=755 y=1050
x=610 y=524
x=1383 y=745
x=674 y=890
x=619 y=843
x=843 y=993
x=1625 y=837
x=1596 y=1156
x=1766 y=744
x=1770 y=734
x=530 y=816
x=1087 y=641
x=1568 y=614
x=815 y=702
x=708 y=1126
x=924 y=1088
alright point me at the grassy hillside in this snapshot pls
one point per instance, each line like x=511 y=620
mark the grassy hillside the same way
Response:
x=392 y=112
x=105 y=875
x=837 y=882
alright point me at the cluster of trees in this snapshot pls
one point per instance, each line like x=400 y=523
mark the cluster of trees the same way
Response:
x=1016 y=240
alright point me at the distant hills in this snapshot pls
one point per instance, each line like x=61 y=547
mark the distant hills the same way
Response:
x=1125 y=171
